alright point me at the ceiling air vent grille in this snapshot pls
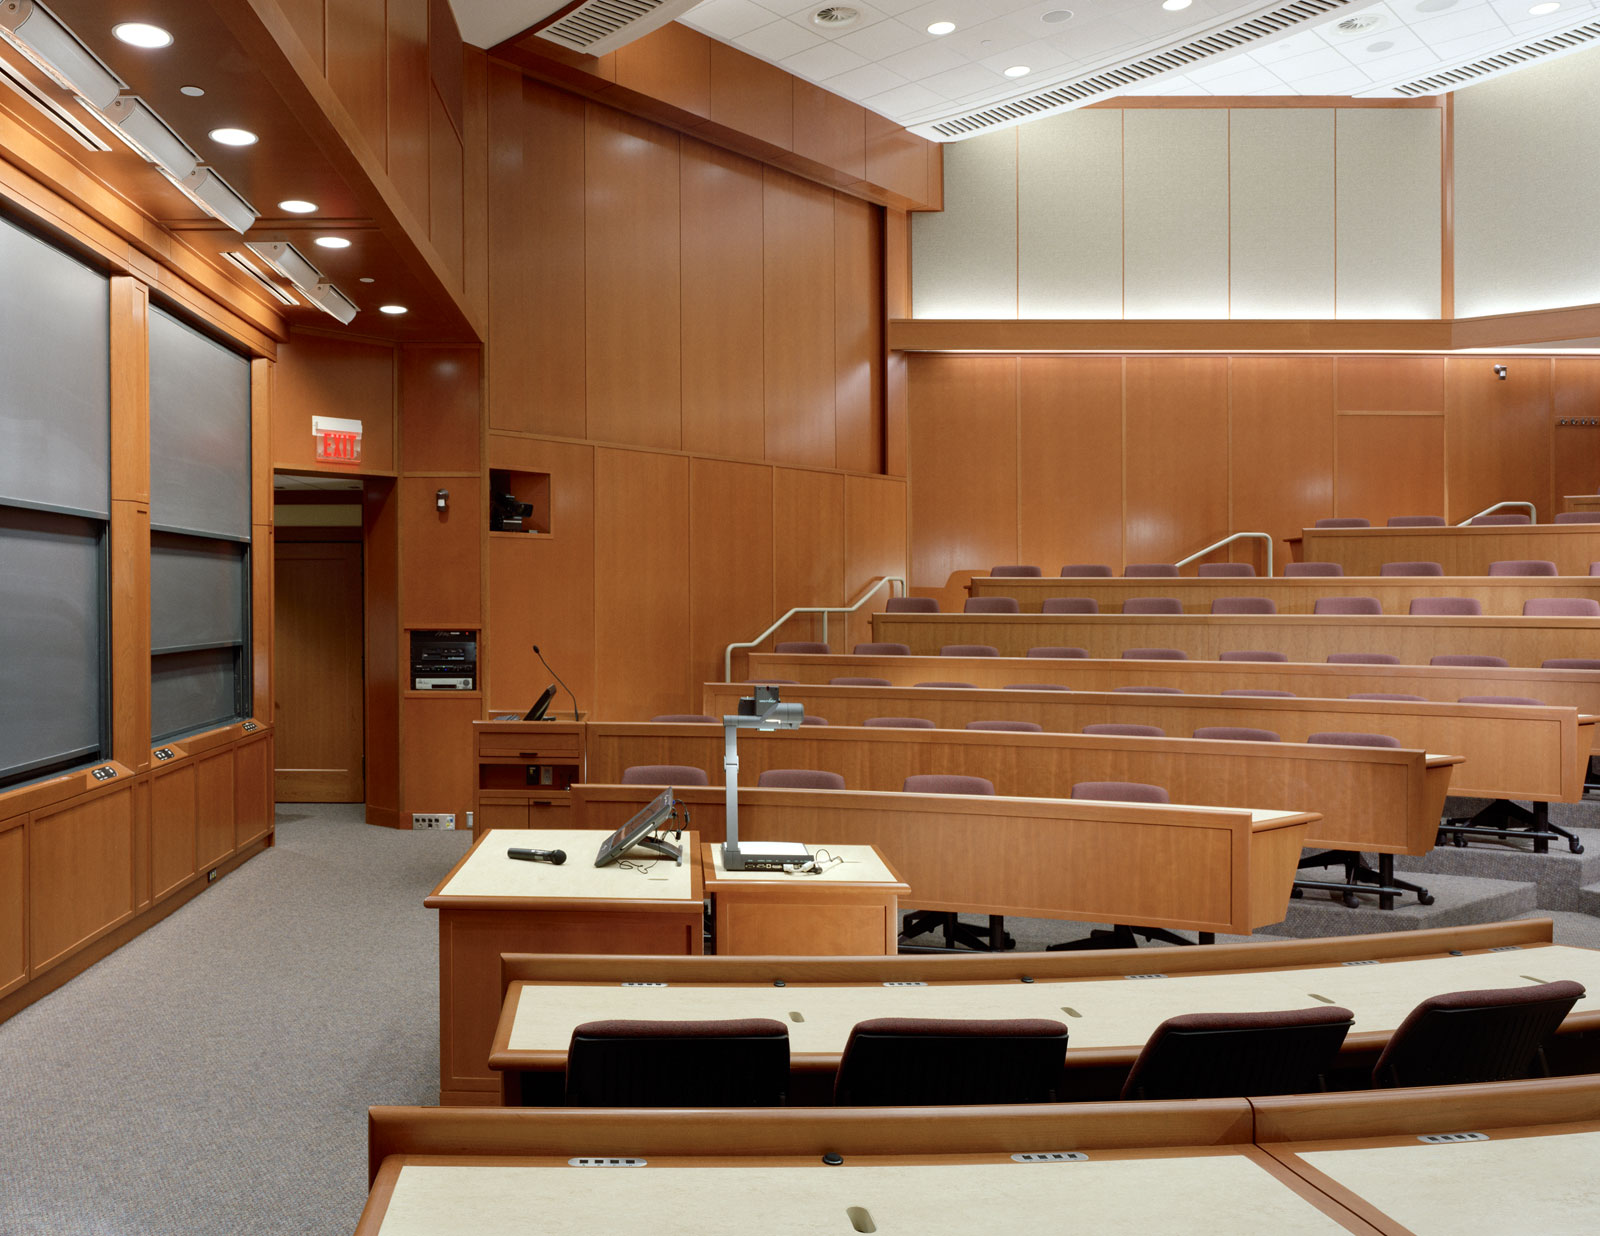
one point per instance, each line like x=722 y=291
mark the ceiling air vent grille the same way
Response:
x=1516 y=57
x=1232 y=38
x=601 y=26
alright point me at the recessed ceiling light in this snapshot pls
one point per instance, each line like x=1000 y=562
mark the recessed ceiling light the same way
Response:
x=194 y=92
x=368 y=279
x=941 y=27
x=234 y=137
x=142 y=34
x=1018 y=70
x=393 y=311
x=332 y=242
x=1539 y=10
x=1176 y=6
x=1056 y=16
x=1382 y=45
x=297 y=207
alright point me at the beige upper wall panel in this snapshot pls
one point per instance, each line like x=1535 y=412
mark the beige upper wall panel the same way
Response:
x=1280 y=172
x=1069 y=216
x=1175 y=221
x=1527 y=177
x=1389 y=212
x=966 y=254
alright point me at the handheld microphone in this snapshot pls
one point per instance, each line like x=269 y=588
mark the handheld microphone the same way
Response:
x=554 y=857
x=557 y=677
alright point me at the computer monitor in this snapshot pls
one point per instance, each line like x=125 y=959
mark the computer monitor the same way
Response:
x=636 y=832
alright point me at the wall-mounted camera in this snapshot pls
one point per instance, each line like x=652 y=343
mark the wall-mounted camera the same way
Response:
x=506 y=513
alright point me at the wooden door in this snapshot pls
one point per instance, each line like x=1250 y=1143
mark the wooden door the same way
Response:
x=318 y=650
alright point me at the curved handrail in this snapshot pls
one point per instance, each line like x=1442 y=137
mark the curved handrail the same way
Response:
x=1533 y=512
x=1228 y=540
x=824 y=610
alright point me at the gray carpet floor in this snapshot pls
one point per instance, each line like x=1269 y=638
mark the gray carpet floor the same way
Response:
x=213 y=1075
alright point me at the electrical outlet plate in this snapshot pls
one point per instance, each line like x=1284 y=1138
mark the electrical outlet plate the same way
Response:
x=421 y=819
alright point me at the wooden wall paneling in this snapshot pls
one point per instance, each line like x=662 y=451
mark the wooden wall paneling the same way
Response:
x=308 y=18
x=1390 y=384
x=671 y=64
x=1175 y=460
x=356 y=59
x=80 y=874
x=381 y=602
x=631 y=264
x=475 y=183
x=1575 y=453
x=731 y=578
x=317 y=719
x=1389 y=464
x=252 y=784
x=214 y=807
x=436 y=756
x=173 y=844
x=904 y=163
x=897 y=304
x=808 y=546
x=319 y=375
x=542 y=588
x=721 y=303
x=141 y=843
x=130 y=633
x=440 y=405
x=963 y=454
x=875 y=543
x=536 y=278
x=858 y=334
x=799 y=320
x=1497 y=434
x=896 y=414
x=1069 y=461
x=263 y=382
x=408 y=94
x=444 y=58
x=446 y=174
x=1281 y=448
x=441 y=551
x=13 y=903
x=641 y=558
x=751 y=95
x=130 y=389
x=830 y=129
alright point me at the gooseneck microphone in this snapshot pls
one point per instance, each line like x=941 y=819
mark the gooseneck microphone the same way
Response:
x=554 y=857
x=557 y=677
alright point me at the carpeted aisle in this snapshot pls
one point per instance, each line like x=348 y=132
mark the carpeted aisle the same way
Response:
x=213 y=1075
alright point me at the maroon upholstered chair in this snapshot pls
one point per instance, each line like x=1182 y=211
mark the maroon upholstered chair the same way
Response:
x=1154 y=654
x=1524 y=700
x=1470 y=659
x=1352 y=738
x=799 y=779
x=1086 y=570
x=802 y=646
x=1482 y=521
x=738 y=1063
x=1237 y=733
x=969 y=650
x=1347 y=605
x=1302 y=570
x=1411 y=568
x=946 y=686
x=1058 y=652
x=1561 y=607
x=900 y=723
x=1016 y=727
x=1070 y=605
x=1252 y=654
x=991 y=605
x=1035 y=686
x=1393 y=696
x=683 y=718
x=1524 y=566
x=1594 y=568
x=808 y=719
x=1244 y=605
x=1149 y=690
x=911 y=605
x=882 y=650
x=1578 y=517
x=1152 y=605
x=1343 y=522
x=1015 y=572
x=946 y=783
x=1149 y=570
x=859 y=681
x=1261 y=693
x=771 y=682
x=1577 y=663
x=1450 y=606
x=1121 y=791
x=1235 y=1055
x=664 y=774
x=1123 y=729
x=1463 y=1037
x=1416 y=521
x=1363 y=658
x=925 y=1062
x=1226 y=570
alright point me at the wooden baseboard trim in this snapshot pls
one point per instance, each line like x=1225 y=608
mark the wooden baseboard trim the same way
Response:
x=383 y=817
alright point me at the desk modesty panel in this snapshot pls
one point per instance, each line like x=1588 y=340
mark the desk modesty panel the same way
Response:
x=1460 y=551
x=1205 y=637
x=1510 y=751
x=1380 y=799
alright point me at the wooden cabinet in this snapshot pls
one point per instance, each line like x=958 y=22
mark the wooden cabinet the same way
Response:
x=80 y=873
x=525 y=771
x=172 y=830
x=252 y=790
x=13 y=905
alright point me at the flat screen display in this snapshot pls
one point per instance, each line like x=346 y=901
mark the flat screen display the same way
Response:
x=650 y=818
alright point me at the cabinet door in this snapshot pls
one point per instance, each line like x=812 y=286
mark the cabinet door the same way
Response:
x=80 y=874
x=252 y=782
x=13 y=903
x=214 y=808
x=172 y=830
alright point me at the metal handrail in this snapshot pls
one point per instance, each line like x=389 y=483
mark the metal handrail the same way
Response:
x=1533 y=512
x=1229 y=540
x=824 y=610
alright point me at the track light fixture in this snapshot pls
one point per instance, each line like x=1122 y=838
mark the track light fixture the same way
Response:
x=39 y=35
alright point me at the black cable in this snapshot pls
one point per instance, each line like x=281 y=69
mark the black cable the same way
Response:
x=557 y=677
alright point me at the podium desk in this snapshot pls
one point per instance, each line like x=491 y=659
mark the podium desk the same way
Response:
x=490 y=904
x=850 y=908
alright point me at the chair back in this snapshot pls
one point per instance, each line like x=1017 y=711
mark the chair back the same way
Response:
x=1086 y=570
x=969 y=650
x=1015 y=727
x=1125 y=729
x=1352 y=738
x=1035 y=686
x=1343 y=522
x=1152 y=605
x=737 y=1063
x=1347 y=605
x=1416 y=521
x=1252 y=654
x=946 y=783
x=882 y=650
x=1016 y=572
x=808 y=719
x=991 y=605
x=926 y=1062
x=799 y=779
x=900 y=723
x=1471 y=659
x=1578 y=663
x=1121 y=791
x=803 y=646
x=848 y=680
x=1475 y=1036
x=1396 y=697
x=682 y=718
x=1149 y=570
x=1154 y=654
x=1244 y=605
x=1236 y=1055
x=1053 y=650
x=1578 y=517
x=946 y=686
x=1526 y=566
x=1260 y=693
x=1236 y=733
x=1411 y=568
x=1070 y=605
x=1149 y=690
x=1512 y=517
x=1300 y=570
x=1451 y=606
x=1524 y=700
x=664 y=774
x=1226 y=570
x=1561 y=607
x=1363 y=658
x=911 y=605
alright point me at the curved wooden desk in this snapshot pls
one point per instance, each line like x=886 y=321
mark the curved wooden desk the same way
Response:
x=1460 y=551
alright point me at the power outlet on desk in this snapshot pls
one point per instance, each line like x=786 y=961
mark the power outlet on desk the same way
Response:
x=433 y=820
x=541 y=774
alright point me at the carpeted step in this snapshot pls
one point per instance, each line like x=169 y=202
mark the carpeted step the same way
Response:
x=1458 y=901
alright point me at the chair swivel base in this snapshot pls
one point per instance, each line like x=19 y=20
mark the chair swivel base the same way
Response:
x=1360 y=878
x=1507 y=821
x=1122 y=936
x=958 y=936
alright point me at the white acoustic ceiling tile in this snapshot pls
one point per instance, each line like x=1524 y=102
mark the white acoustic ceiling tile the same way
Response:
x=1251 y=79
x=727 y=19
x=868 y=80
x=963 y=12
x=921 y=62
x=1383 y=45
x=1451 y=50
x=1038 y=56
x=883 y=39
x=894 y=8
x=1167 y=85
x=778 y=39
x=1095 y=39
x=779 y=8
x=1402 y=67
x=960 y=83
x=1219 y=67
x=1287 y=49
x=802 y=13
x=1342 y=81
x=1457 y=23
x=1310 y=65
x=905 y=100
x=824 y=61
x=990 y=38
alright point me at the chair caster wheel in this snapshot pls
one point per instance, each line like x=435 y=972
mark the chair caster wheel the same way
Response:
x=1424 y=899
x=1350 y=900
x=1575 y=846
x=1297 y=893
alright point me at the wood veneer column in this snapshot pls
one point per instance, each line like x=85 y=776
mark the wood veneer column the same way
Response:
x=130 y=522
